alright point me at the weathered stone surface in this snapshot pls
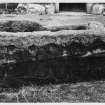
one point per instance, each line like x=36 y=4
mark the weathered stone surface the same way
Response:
x=98 y=9
x=50 y=9
x=39 y=9
x=36 y=9
x=25 y=8
x=96 y=25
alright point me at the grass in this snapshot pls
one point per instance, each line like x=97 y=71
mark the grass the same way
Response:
x=75 y=92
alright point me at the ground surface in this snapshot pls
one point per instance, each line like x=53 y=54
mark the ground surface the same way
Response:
x=72 y=92
x=60 y=19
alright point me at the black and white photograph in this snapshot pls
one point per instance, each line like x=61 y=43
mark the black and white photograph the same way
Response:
x=52 y=52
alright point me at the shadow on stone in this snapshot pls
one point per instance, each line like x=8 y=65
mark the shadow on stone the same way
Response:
x=55 y=71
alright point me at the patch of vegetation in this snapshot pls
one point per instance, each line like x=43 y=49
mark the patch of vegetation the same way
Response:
x=20 y=26
x=93 y=91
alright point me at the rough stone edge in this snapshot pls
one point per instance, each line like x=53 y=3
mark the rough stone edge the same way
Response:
x=24 y=39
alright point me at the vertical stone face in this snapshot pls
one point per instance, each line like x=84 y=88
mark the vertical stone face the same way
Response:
x=56 y=7
x=89 y=7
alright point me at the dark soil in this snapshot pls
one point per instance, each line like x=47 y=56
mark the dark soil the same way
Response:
x=52 y=64
x=20 y=26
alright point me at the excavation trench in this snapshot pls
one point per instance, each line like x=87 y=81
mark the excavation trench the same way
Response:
x=75 y=54
x=53 y=64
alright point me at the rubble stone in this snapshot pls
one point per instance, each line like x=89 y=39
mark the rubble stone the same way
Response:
x=98 y=9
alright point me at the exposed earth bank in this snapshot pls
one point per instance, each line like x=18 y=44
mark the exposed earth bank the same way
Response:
x=43 y=54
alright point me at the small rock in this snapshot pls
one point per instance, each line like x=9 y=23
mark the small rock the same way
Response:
x=96 y=25
x=87 y=54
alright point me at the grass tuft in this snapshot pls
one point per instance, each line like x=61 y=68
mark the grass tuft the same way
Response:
x=75 y=92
